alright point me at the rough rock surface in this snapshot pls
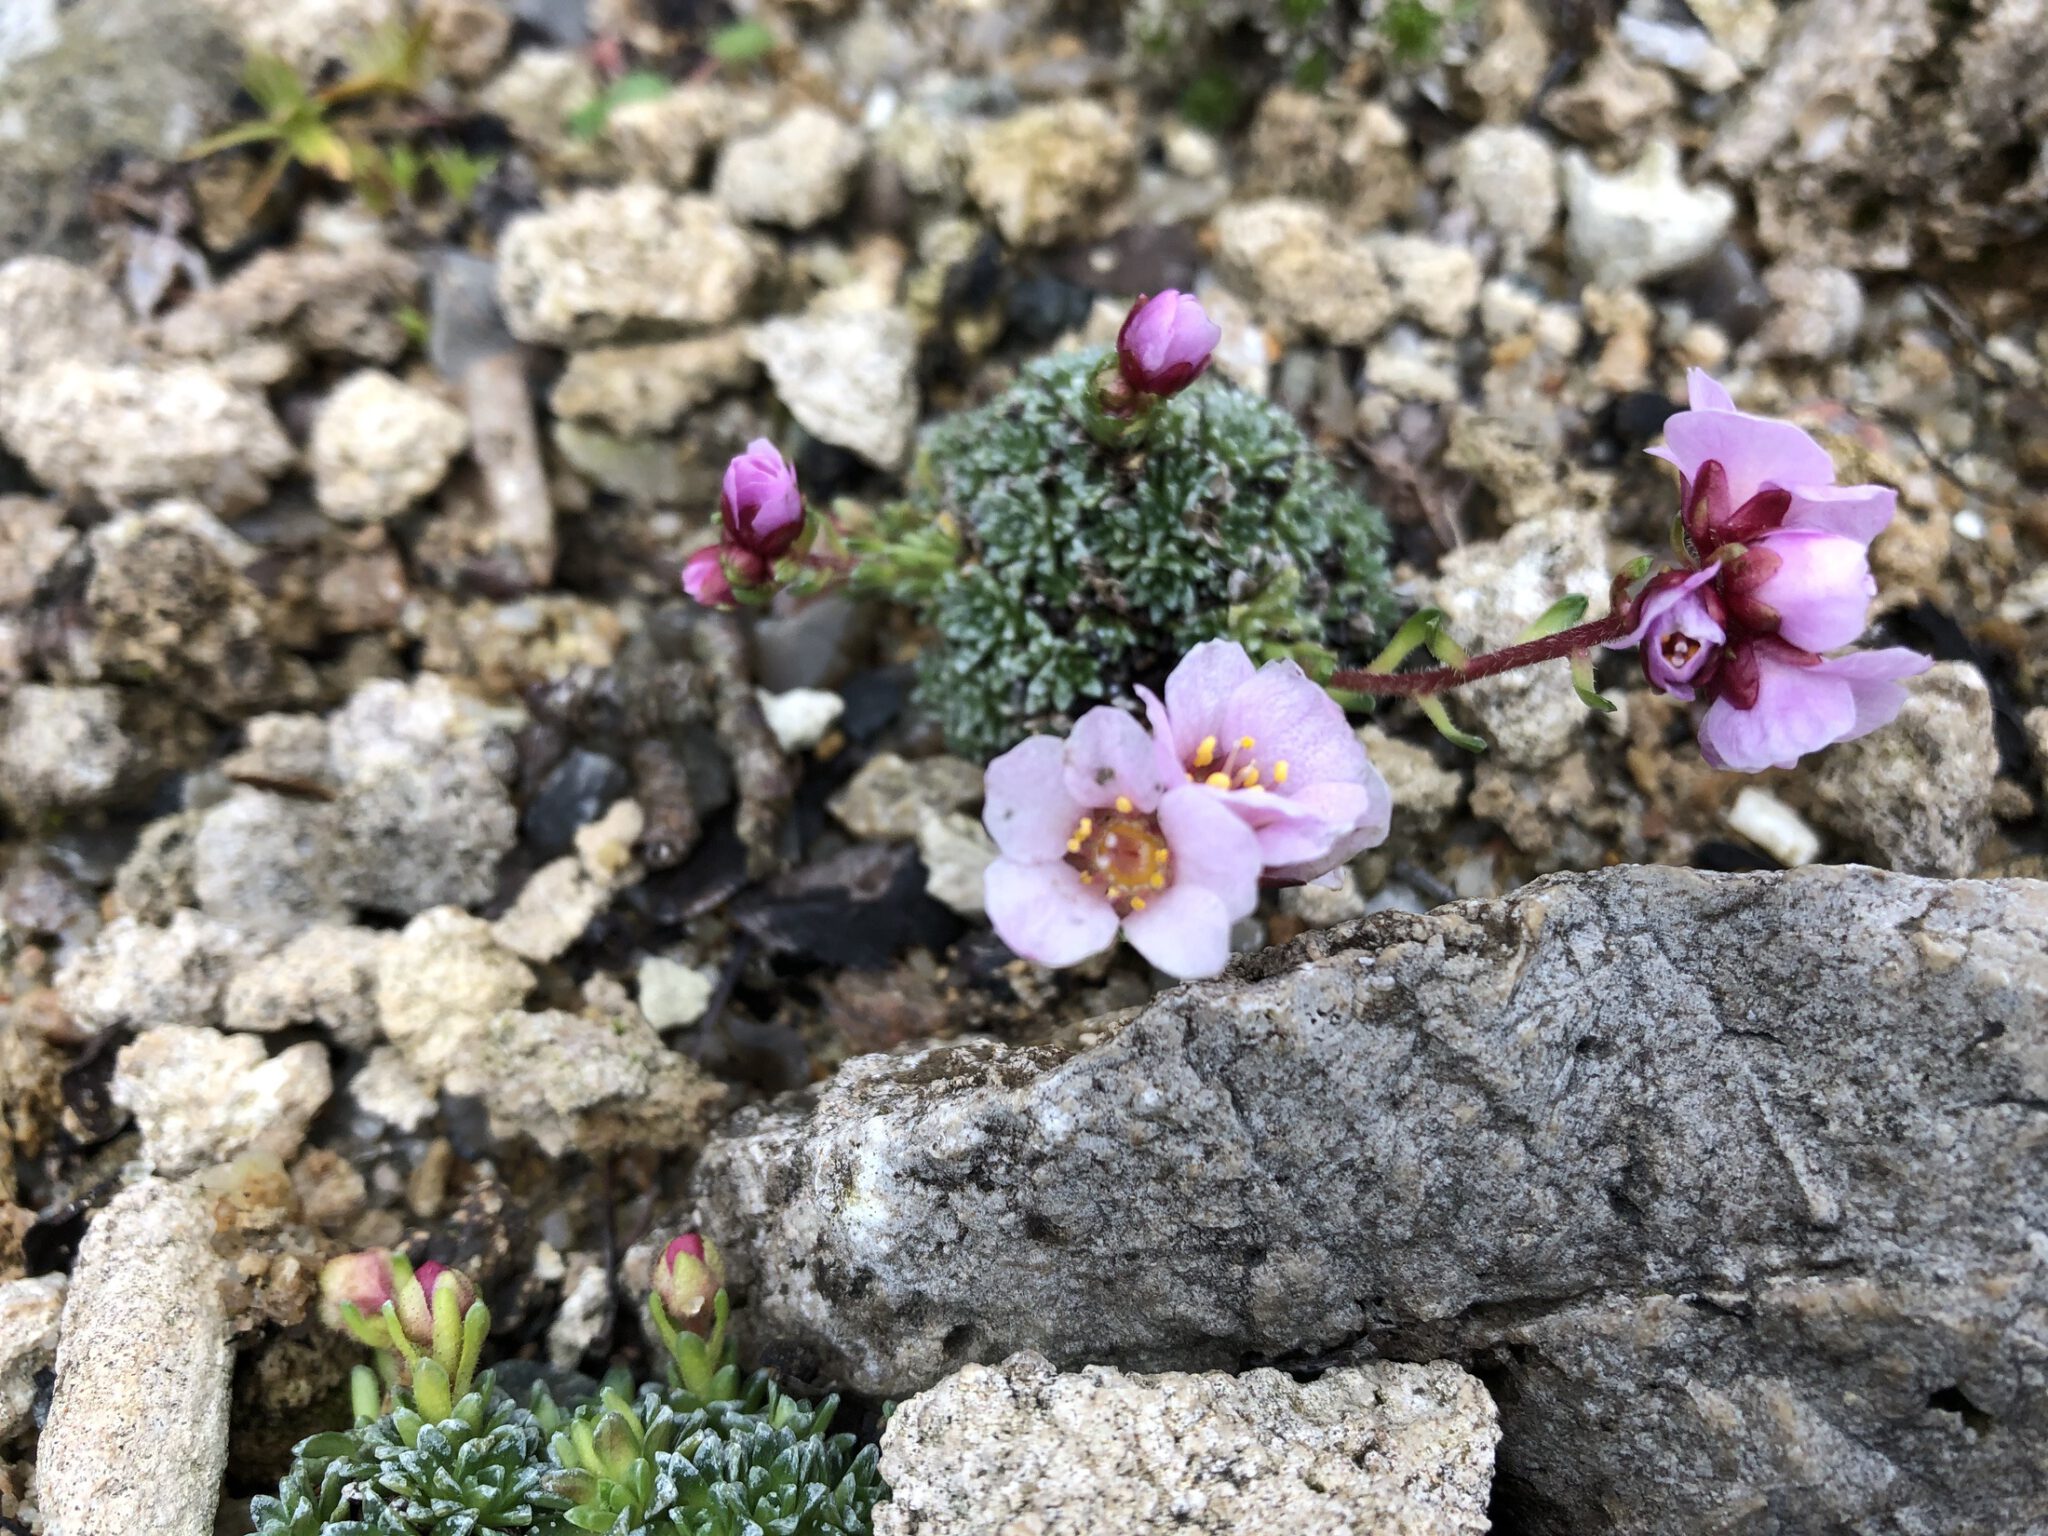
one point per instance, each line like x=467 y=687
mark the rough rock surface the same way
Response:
x=327 y=976
x=62 y=749
x=1725 y=1183
x=138 y=1431
x=1399 y=1450
x=126 y=434
x=439 y=983
x=136 y=975
x=850 y=379
x=604 y=263
x=1924 y=118
x=1918 y=793
x=1044 y=173
x=635 y=391
x=52 y=310
x=797 y=173
x=265 y=864
x=1642 y=224
x=1301 y=270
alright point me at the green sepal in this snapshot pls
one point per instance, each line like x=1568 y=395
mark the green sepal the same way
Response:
x=1582 y=683
x=1413 y=634
x=1559 y=616
x=1433 y=710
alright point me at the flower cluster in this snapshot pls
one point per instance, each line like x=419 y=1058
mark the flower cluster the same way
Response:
x=1166 y=834
x=1780 y=574
x=762 y=521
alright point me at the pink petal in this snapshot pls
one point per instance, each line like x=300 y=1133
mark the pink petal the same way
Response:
x=1658 y=602
x=1110 y=754
x=1798 y=710
x=1211 y=848
x=1027 y=809
x=1045 y=913
x=1293 y=720
x=1184 y=931
x=1200 y=687
x=1289 y=829
x=1821 y=589
x=1166 y=759
x=1702 y=393
x=1859 y=512
x=1873 y=678
x=1754 y=450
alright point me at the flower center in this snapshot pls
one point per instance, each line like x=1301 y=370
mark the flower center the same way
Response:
x=1122 y=854
x=1236 y=766
x=1679 y=649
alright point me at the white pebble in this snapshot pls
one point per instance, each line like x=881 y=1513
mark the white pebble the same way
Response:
x=673 y=994
x=1774 y=827
x=801 y=717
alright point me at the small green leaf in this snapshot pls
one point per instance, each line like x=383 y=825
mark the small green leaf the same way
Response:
x=1412 y=635
x=1582 y=683
x=744 y=42
x=1444 y=648
x=1560 y=615
x=1433 y=709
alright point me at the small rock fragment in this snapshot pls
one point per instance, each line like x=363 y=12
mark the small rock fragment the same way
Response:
x=1301 y=271
x=439 y=983
x=796 y=174
x=201 y=1097
x=268 y=864
x=387 y=1090
x=380 y=445
x=1382 y=1447
x=29 y=1310
x=1509 y=176
x=1817 y=312
x=1044 y=173
x=326 y=977
x=672 y=994
x=52 y=311
x=553 y=908
x=588 y=1085
x=602 y=262
x=313 y=301
x=1434 y=283
x=1642 y=224
x=889 y=797
x=849 y=379
x=138 y=1431
x=136 y=976
x=957 y=851
x=1773 y=826
x=800 y=717
x=646 y=390
x=64 y=749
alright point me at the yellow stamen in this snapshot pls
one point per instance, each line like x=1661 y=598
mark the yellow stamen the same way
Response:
x=1137 y=903
x=1205 y=754
x=1280 y=771
x=1073 y=845
x=1245 y=743
x=1123 y=804
x=1159 y=882
x=1085 y=826
x=1086 y=878
x=1218 y=780
x=1161 y=855
x=1248 y=779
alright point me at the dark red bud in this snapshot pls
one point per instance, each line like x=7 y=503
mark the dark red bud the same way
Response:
x=1740 y=583
x=1739 y=678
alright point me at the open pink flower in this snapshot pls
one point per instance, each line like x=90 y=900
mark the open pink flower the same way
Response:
x=1810 y=589
x=1165 y=343
x=1275 y=749
x=1094 y=838
x=1678 y=628
x=1800 y=703
x=759 y=503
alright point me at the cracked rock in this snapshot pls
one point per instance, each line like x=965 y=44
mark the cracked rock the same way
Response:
x=1775 y=1137
x=201 y=1097
x=138 y=976
x=1402 y=1450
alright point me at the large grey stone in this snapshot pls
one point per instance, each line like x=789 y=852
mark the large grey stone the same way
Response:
x=138 y=1431
x=1398 y=1450
x=1730 y=1186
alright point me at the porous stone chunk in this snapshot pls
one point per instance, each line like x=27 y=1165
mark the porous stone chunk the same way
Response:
x=1046 y=172
x=380 y=445
x=850 y=379
x=201 y=1097
x=796 y=173
x=1301 y=272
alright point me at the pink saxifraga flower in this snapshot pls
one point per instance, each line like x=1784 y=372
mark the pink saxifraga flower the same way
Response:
x=1276 y=750
x=708 y=574
x=1093 y=838
x=688 y=1278
x=1784 y=576
x=1165 y=343
x=759 y=504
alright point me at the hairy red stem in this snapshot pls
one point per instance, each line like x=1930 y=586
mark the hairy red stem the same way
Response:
x=1417 y=685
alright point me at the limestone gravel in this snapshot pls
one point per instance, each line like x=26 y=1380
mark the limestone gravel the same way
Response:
x=380 y=445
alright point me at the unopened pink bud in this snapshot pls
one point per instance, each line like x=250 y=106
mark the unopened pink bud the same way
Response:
x=688 y=1278
x=760 y=505
x=1166 y=343
x=416 y=1306
x=362 y=1279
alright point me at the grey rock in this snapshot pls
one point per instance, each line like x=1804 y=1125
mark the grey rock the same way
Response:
x=465 y=325
x=121 y=76
x=64 y=749
x=156 y=879
x=595 y=1086
x=1917 y=793
x=1642 y=224
x=200 y=1097
x=1404 y=1450
x=795 y=174
x=127 y=434
x=1435 y=284
x=1817 y=311
x=298 y=304
x=1508 y=175
x=638 y=391
x=1773 y=1140
x=136 y=976
x=849 y=379
x=1885 y=132
x=326 y=977
x=29 y=1310
x=888 y=797
x=308 y=34
x=138 y=1432
x=51 y=310
x=269 y=864
x=1490 y=591
x=956 y=852
x=380 y=445
x=603 y=263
